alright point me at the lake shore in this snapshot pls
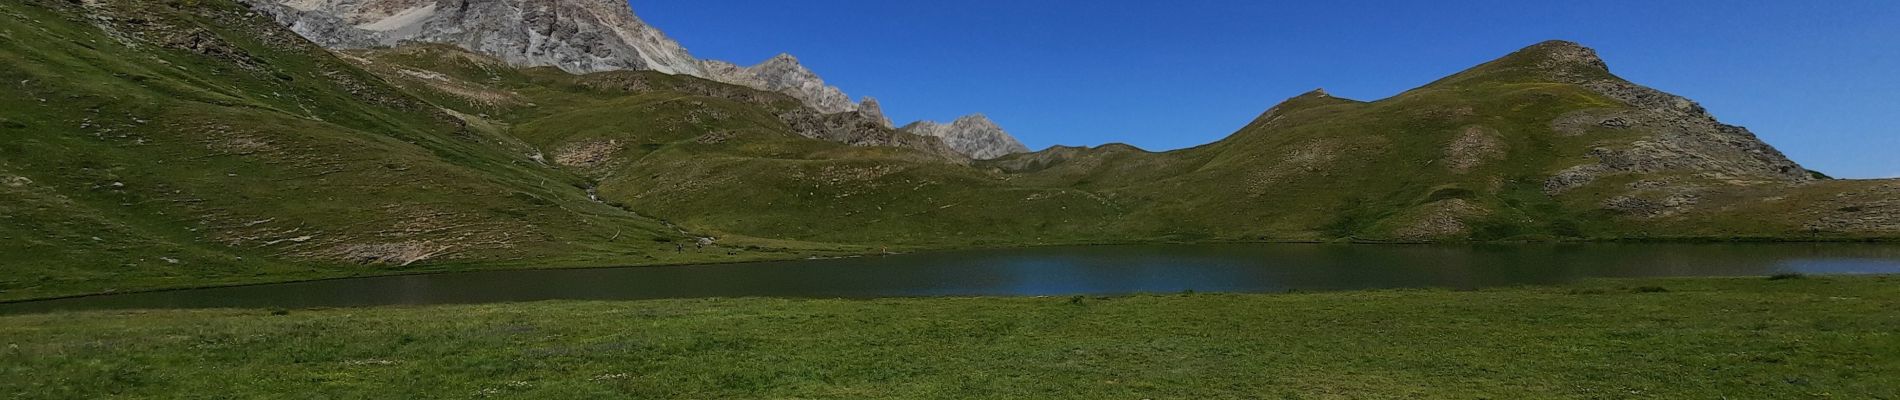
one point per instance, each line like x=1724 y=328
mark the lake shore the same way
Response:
x=1636 y=338
x=23 y=292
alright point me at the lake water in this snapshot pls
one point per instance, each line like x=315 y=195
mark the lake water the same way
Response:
x=1250 y=268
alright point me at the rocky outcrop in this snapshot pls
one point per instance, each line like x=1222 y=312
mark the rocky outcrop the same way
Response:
x=1858 y=207
x=578 y=36
x=784 y=74
x=974 y=136
x=1440 y=220
x=1474 y=147
x=1680 y=135
x=855 y=129
x=869 y=108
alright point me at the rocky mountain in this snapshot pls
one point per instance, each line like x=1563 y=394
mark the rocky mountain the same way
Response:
x=1545 y=141
x=973 y=135
x=578 y=36
x=155 y=144
x=869 y=108
x=784 y=74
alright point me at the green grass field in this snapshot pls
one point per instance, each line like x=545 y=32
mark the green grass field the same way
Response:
x=1738 y=338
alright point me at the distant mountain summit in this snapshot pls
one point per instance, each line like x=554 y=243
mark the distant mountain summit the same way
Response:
x=577 y=36
x=158 y=144
x=784 y=74
x=1684 y=136
x=974 y=135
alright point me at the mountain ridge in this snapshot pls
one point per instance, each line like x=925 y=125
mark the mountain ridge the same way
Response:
x=156 y=145
x=974 y=135
x=783 y=73
x=577 y=36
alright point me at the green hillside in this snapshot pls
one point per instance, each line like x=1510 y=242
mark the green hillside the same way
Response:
x=1479 y=152
x=727 y=160
x=154 y=144
x=1543 y=144
x=161 y=144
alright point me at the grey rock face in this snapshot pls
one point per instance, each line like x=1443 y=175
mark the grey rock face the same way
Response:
x=1683 y=135
x=974 y=135
x=586 y=36
x=578 y=36
x=869 y=108
x=784 y=74
x=854 y=129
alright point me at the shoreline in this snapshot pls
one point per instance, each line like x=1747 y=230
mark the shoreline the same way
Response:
x=952 y=249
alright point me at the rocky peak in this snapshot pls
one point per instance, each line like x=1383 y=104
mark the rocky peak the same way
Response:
x=784 y=74
x=1680 y=134
x=783 y=59
x=977 y=120
x=869 y=108
x=973 y=135
x=578 y=36
x=1564 y=54
x=1554 y=61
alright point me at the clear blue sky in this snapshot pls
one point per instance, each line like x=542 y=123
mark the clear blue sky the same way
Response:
x=1818 y=79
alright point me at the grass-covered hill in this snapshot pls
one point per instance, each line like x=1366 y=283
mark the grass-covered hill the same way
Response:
x=148 y=144
x=726 y=160
x=1542 y=144
x=180 y=143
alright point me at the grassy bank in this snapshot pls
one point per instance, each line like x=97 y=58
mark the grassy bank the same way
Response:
x=1679 y=338
x=267 y=273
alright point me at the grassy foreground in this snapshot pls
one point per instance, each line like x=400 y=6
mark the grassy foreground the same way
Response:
x=1685 y=338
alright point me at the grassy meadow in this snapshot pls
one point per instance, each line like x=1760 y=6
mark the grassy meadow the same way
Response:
x=1734 y=338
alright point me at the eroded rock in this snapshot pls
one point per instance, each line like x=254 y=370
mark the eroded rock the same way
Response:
x=587 y=154
x=1444 y=219
x=972 y=135
x=1473 y=147
x=399 y=253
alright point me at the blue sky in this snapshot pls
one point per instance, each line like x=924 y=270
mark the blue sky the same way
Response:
x=1818 y=79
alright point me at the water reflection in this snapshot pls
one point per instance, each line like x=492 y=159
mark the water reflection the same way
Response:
x=1051 y=271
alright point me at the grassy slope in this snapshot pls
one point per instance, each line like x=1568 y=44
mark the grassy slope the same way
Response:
x=1683 y=338
x=712 y=157
x=1330 y=169
x=151 y=144
x=1322 y=168
x=146 y=145
x=1315 y=168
